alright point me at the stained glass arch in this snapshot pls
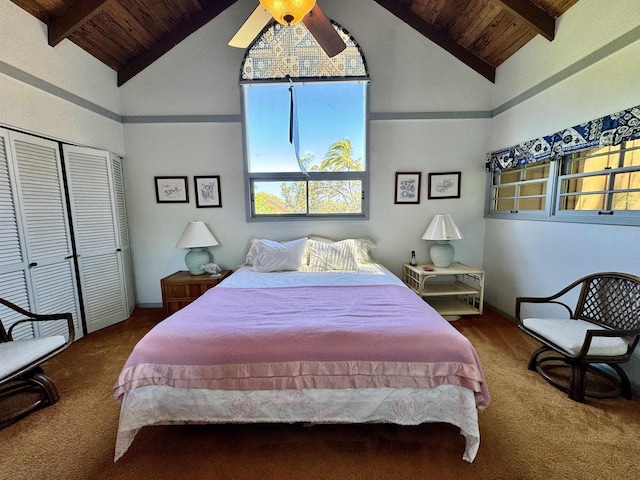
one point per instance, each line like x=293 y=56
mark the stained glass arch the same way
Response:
x=281 y=52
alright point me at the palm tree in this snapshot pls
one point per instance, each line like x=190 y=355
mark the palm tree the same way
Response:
x=339 y=158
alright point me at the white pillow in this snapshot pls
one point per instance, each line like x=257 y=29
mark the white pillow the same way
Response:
x=271 y=256
x=340 y=255
x=363 y=247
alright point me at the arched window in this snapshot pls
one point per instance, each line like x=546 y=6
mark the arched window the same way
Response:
x=305 y=127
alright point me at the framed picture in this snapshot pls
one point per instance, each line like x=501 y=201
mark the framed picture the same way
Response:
x=171 y=190
x=408 y=187
x=208 y=191
x=444 y=185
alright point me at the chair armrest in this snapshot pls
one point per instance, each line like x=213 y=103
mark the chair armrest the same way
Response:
x=633 y=335
x=550 y=300
x=36 y=317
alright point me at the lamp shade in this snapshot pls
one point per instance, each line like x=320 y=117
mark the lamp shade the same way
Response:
x=196 y=234
x=442 y=227
x=288 y=12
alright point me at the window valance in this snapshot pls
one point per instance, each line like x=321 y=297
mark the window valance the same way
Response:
x=610 y=130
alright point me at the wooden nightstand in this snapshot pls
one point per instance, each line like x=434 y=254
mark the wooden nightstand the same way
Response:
x=181 y=288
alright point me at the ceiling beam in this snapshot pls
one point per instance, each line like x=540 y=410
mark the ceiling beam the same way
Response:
x=74 y=17
x=439 y=38
x=136 y=64
x=533 y=15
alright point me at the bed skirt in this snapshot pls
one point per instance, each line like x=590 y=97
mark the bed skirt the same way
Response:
x=163 y=405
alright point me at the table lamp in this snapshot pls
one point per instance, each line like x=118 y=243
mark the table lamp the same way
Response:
x=196 y=237
x=442 y=229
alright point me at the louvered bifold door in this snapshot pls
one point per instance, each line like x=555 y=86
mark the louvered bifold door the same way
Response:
x=94 y=216
x=13 y=281
x=50 y=271
x=123 y=231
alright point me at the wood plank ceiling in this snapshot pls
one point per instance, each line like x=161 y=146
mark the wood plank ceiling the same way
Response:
x=129 y=35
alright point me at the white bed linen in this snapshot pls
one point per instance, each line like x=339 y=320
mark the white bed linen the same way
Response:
x=162 y=405
x=368 y=274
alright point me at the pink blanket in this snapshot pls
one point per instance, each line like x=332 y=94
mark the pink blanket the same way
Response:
x=305 y=337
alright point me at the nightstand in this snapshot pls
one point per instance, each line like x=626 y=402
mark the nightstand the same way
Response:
x=454 y=290
x=182 y=288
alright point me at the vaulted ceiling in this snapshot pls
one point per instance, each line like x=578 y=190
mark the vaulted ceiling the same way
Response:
x=129 y=35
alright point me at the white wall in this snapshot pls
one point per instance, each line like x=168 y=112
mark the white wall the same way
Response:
x=538 y=258
x=200 y=77
x=33 y=70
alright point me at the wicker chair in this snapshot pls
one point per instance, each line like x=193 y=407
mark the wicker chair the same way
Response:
x=603 y=329
x=20 y=362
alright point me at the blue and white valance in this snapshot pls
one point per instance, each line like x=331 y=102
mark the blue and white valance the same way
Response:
x=610 y=130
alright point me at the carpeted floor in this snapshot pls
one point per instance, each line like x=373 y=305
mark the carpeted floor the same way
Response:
x=530 y=430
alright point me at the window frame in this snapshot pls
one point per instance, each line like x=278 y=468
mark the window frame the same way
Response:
x=554 y=194
x=310 y=176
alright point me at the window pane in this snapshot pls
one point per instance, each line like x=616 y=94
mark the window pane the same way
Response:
x=508 y=175
x=596 y=183
x=534 y=203
x=279 y=198
x=530 y=189
x=583 y=202
x=626 y=201
x=331 y=126
x=335 y=196
x=503 y=192
x=632 y=157
x=505 y=205
x=537 y=172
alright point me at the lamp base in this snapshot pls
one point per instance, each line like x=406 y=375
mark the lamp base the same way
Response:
x=441 y=253
x=195 y=259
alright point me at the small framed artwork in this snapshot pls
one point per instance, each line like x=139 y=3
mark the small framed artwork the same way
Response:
x=171 y=190
x=444 y=185
x=408 y=187
x=208 y=191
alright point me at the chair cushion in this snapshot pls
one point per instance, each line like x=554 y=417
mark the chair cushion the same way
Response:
x=570 y=334
x=19 y=353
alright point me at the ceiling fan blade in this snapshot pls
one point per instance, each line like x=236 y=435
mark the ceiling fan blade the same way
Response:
x=251 y=28
x=324 y=33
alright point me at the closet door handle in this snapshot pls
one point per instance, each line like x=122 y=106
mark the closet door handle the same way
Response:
x=33 y=264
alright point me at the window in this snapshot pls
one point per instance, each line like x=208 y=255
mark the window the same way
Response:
x=521 y=189
x=601 y=185
x=331 y=174
x=305 y=127
x=603 y=180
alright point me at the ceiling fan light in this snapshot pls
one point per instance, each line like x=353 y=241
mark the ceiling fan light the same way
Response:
x=288 y=12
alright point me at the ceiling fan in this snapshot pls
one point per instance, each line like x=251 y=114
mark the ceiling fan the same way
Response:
x=290 y=12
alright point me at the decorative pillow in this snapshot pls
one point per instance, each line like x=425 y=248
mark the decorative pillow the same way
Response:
x=340 y=255
x=271 y=256
x=363 y=247
x=318 y=238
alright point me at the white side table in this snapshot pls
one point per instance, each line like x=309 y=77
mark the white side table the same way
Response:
x=453 y=291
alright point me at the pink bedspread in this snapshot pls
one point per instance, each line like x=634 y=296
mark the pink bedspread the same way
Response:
x=305 y=337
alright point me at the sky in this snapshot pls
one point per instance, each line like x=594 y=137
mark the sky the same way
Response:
x=327 y=111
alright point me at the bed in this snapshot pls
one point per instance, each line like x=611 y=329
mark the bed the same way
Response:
x=311 y=345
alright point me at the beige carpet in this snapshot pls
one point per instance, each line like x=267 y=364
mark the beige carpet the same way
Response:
x=530 y=430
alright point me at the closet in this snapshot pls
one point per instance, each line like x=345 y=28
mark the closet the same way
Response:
x=63 y=237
